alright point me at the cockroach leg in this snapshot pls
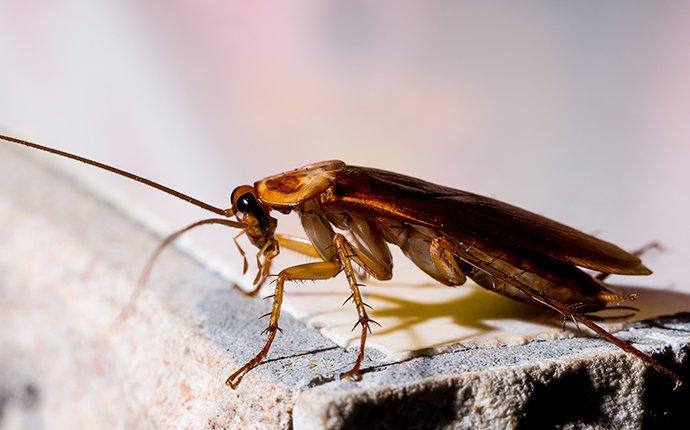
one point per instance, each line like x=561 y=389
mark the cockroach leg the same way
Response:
x=617 y=298
x=302 y=272
x=601 y=276
x=647 y=247
x=648 y=359
x=517 y=275
x=234 y=379
x=478 y=260
x=297 y=244
x=271 y=251
x=268 y=252
x=445 y=263
x=245 y=263
x=345 y=254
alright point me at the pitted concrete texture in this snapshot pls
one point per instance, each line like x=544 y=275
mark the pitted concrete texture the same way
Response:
x=572 y=383
x=68 y=261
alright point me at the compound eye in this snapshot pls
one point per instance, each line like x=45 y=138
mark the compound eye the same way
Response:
x=245 y=203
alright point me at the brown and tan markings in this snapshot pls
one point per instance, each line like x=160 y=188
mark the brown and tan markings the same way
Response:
x=351 y=215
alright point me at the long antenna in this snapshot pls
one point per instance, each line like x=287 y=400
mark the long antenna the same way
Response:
x=137 y=178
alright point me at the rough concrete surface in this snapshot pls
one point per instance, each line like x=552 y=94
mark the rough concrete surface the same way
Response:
x=68 y=261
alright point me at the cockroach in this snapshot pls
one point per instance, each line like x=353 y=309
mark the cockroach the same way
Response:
x=450 y=234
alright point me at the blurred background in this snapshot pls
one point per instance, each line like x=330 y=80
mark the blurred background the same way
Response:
x=576 y=110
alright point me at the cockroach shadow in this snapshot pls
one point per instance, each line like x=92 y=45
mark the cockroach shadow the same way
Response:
x=474 y=310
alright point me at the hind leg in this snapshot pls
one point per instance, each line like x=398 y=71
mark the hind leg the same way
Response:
x=346 y=253
x=482 y=261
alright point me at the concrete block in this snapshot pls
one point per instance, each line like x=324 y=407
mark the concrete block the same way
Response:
x=68 y=261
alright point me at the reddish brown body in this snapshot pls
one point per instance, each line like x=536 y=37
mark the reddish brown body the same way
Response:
x=544 y=253
x=450 y=234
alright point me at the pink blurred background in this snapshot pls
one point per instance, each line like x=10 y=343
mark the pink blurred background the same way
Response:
x=576 y=110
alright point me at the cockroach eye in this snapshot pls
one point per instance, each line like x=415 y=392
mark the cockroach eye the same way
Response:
x=245 y=203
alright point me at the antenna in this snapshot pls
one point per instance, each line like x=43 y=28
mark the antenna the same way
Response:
x=120 y=172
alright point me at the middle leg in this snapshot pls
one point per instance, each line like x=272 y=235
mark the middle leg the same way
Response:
x=346 y=253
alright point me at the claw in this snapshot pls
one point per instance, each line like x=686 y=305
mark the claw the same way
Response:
x=351 y=375
x=251 y=293
x=234 y=380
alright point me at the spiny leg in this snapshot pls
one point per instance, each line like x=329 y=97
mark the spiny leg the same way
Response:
x=629 y=349
x=647 y=247
x=268 y=252
x=265 y=268
x=245 y=266
x=245 y=263
x=345 y=254
x=479 y=259
x=297 y=244
x=309 y=271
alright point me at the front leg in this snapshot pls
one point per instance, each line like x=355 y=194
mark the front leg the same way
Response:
x=264 y=268
x=268 y=252
x=305 y=272
x=293 y=243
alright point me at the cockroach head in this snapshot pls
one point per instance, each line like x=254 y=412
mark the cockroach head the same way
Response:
x=258 y=225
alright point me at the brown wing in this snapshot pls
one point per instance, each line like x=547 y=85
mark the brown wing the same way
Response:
x=472 y=217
